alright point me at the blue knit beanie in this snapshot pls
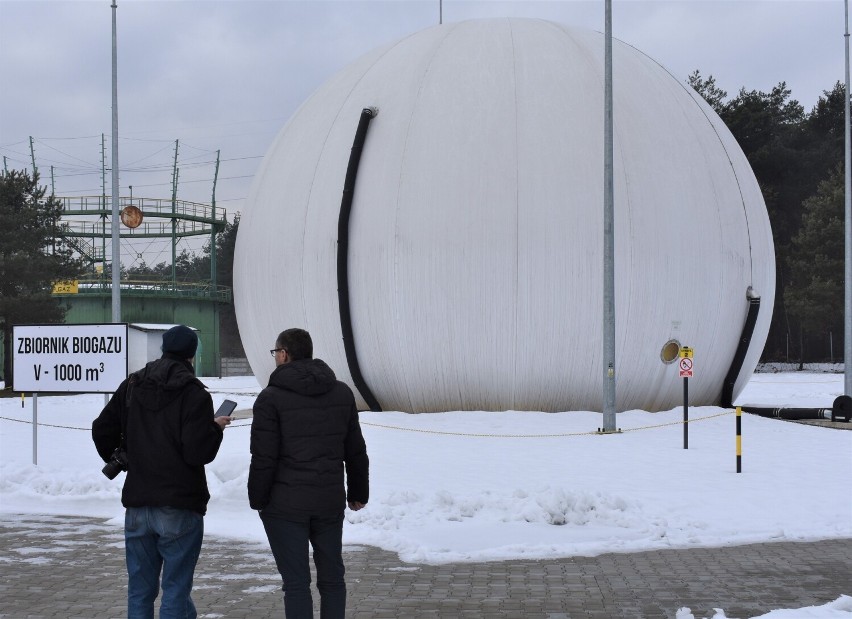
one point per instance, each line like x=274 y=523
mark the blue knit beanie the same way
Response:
x=180 y=341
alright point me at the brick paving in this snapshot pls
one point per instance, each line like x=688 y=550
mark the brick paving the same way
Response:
x=72 y=567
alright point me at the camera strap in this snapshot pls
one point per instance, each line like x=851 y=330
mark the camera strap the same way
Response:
x=131 y=382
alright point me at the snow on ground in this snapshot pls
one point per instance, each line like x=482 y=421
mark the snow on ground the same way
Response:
x=472 y=486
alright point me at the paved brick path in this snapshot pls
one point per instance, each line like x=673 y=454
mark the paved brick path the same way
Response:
x=70 y=567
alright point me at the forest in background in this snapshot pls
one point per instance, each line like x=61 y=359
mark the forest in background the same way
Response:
x=797 y=157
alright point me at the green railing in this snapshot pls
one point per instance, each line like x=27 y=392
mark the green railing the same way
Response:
x=87 y=250
x=156 y=288
x=169 y=216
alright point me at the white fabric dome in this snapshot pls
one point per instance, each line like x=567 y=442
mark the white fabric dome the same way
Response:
x=476 y=234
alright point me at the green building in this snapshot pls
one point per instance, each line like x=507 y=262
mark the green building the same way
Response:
x=170 y=300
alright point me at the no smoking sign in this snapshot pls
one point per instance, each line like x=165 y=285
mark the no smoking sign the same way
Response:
x=685 y=367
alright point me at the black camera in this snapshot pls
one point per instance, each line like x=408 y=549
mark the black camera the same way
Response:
x=116 y=464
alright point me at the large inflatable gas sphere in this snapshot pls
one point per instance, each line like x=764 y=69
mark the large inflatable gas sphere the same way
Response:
x=433 y=215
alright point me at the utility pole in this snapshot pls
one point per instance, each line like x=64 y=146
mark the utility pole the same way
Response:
x=847 y=318
x=32 y=157
x=609 y=238
x=214 y=283
x=175 y=172
x=116 y=246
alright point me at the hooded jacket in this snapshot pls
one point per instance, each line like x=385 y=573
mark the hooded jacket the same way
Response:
x=170 y=435
x=304 y=434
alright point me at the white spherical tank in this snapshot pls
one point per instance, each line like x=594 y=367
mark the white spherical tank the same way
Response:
x=475 y=239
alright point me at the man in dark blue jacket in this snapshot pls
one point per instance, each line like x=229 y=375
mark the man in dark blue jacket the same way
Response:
x=304 y=434
x=161 y=418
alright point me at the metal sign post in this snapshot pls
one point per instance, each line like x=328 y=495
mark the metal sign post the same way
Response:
x=35 y=428
x=685 y=368
x=67 y=359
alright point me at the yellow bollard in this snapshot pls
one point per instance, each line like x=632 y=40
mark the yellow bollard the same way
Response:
x=739 y=439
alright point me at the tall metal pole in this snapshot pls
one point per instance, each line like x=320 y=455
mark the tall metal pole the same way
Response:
x=116 y=248
x=32 y=157
x=609 y=239
x=440 y=11
x=214 y=283
x=847 y=329
x=175 y=172
x=102 y=277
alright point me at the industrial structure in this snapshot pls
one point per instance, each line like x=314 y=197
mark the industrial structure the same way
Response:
x=86 y=225
x=435 y=215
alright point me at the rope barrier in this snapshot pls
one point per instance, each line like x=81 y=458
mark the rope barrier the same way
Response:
x=680 y=421
x=51 y=425
x=591 y=433
x=46 y=425
x=443 y=432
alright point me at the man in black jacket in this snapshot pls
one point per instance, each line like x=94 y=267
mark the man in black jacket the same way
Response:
x=304 y=431
x=161 y=417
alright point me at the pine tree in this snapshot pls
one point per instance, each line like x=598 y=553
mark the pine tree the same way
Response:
x=814 y=296
x=707 y=88
x=33 y=256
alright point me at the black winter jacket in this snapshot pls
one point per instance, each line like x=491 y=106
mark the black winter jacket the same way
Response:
x=170 y=434
x=305 y=429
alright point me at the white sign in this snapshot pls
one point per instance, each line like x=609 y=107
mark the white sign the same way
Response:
x=685 y=365
x=69 y=358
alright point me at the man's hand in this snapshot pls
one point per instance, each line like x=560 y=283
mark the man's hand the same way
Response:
x=355 y=505
x=222 y=421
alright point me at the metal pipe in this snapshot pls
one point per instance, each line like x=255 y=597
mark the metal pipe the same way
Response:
x=742 y=349
x=214 y=282
x=175 y=173
x=686 y=412
x=609 y=238
x=35 y=429
x=792 y=414
x=847 y=329
x=346 y=330
x=32 y=157
x=116 y=239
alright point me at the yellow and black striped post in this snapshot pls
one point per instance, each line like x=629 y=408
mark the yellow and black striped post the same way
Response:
x=739 y=439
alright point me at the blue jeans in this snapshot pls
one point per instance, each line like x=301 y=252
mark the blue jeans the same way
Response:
x=163 y=539
x=288 y=539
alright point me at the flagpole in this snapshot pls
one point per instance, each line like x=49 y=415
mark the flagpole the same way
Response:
x=847 y=328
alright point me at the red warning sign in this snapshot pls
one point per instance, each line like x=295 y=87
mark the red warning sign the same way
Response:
x=685 y=366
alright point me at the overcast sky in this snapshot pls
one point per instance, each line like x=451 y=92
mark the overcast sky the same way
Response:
x=227 y=75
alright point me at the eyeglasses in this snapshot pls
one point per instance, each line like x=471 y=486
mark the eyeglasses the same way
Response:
x=275 y=350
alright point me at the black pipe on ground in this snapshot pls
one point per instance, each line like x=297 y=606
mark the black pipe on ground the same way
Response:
x=789 y=413
x=841 y=410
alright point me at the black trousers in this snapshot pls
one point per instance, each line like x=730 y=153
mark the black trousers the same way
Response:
x=289 y=537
